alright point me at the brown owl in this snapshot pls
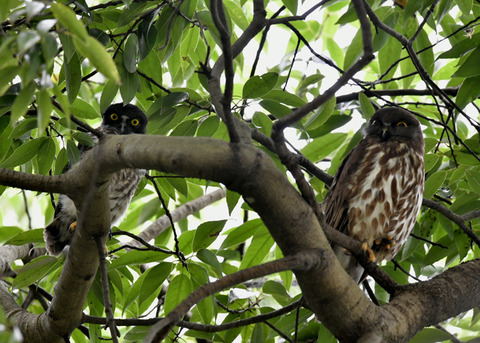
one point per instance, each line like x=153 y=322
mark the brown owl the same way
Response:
x=117 y=119
x=377 y=191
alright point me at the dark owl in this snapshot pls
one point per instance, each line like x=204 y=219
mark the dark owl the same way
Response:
x=377 y=191
x=117 y=119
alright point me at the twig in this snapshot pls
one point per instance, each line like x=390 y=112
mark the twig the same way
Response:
x=179 y=254
x=428 y=241
x=147 y=245
x=197 y=326
x=304 y=261
x=301 y=112
x=106 y=291
x=220 y=21
x=281 y=333
x=453 y=217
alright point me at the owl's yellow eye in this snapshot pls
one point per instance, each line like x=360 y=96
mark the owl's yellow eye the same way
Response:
x=135 y=122
x=402 y=123
x=114 y=116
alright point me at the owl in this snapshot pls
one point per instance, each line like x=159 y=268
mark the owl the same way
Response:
x=117 y=119
x=377 y=191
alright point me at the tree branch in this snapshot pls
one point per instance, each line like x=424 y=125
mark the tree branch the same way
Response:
x=305 y=261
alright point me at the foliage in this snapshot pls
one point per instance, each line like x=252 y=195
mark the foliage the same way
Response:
x=63 y=63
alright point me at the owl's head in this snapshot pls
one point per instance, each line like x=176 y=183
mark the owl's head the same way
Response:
x=125 y=119
x=395 y=124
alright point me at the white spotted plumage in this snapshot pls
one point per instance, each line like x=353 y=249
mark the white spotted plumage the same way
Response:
x=377 y=192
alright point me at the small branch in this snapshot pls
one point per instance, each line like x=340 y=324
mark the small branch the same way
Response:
x=453 y=217
x=428 y=241
x=301 y=112
x=305 y=261
x=179 y=254
x=196 y=326
x=106 y=291
x=141 y=241
x=281 y=333
x=224 y=101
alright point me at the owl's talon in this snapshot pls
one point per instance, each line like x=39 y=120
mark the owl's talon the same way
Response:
x=371 y=254
x=386 y=243
x=73 y=226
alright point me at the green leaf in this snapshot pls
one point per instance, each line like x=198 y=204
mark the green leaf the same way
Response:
x=276 y=109
x=465 y=6
x=154 y=279
x=323 y=146
x=23 y=153
x=285 y=98
x=263 y=122
x=129 y=86
x=137 y=257
x=430 y=335
x=232 y=200
x=6 y=75
x=207 y=233
x=258 y=249
x=7 y=232
x=469 y=91
x=22 y=101
x=241 y=233
x=387 y=57
x=82 y=109
x=98 y=56
x=321 y=115
x=470 y=67
x=72 y=152
x=69 y=19
x=354 y=50
x=463 y=47
x=291 y=5
x=23 y=127
x=73 y=77
x=314 y=79
x=83 y=138
x=36 y=270
x=26 y=237
x=180 y=287
x=47 y=153
x=366 y=106
x=130 y=53
x=109 y=92
x=61 y=161
x=210 y=258
x=278 y=292
x=334 y=122
x=27 y=40
x=433 y=183
x=44 y=109
x=208 y=127
x=257 y=86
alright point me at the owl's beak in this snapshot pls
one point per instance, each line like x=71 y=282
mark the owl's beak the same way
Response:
x=385 y=133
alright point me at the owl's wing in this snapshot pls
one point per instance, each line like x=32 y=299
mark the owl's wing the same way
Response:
x=337 y=204
x=337 y=201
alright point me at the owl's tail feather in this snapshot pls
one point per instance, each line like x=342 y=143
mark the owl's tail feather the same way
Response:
x=55 y=238
x=350 y=264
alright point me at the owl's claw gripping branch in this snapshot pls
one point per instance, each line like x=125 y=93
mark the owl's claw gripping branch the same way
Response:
x=386 y=243
x=371 y=254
